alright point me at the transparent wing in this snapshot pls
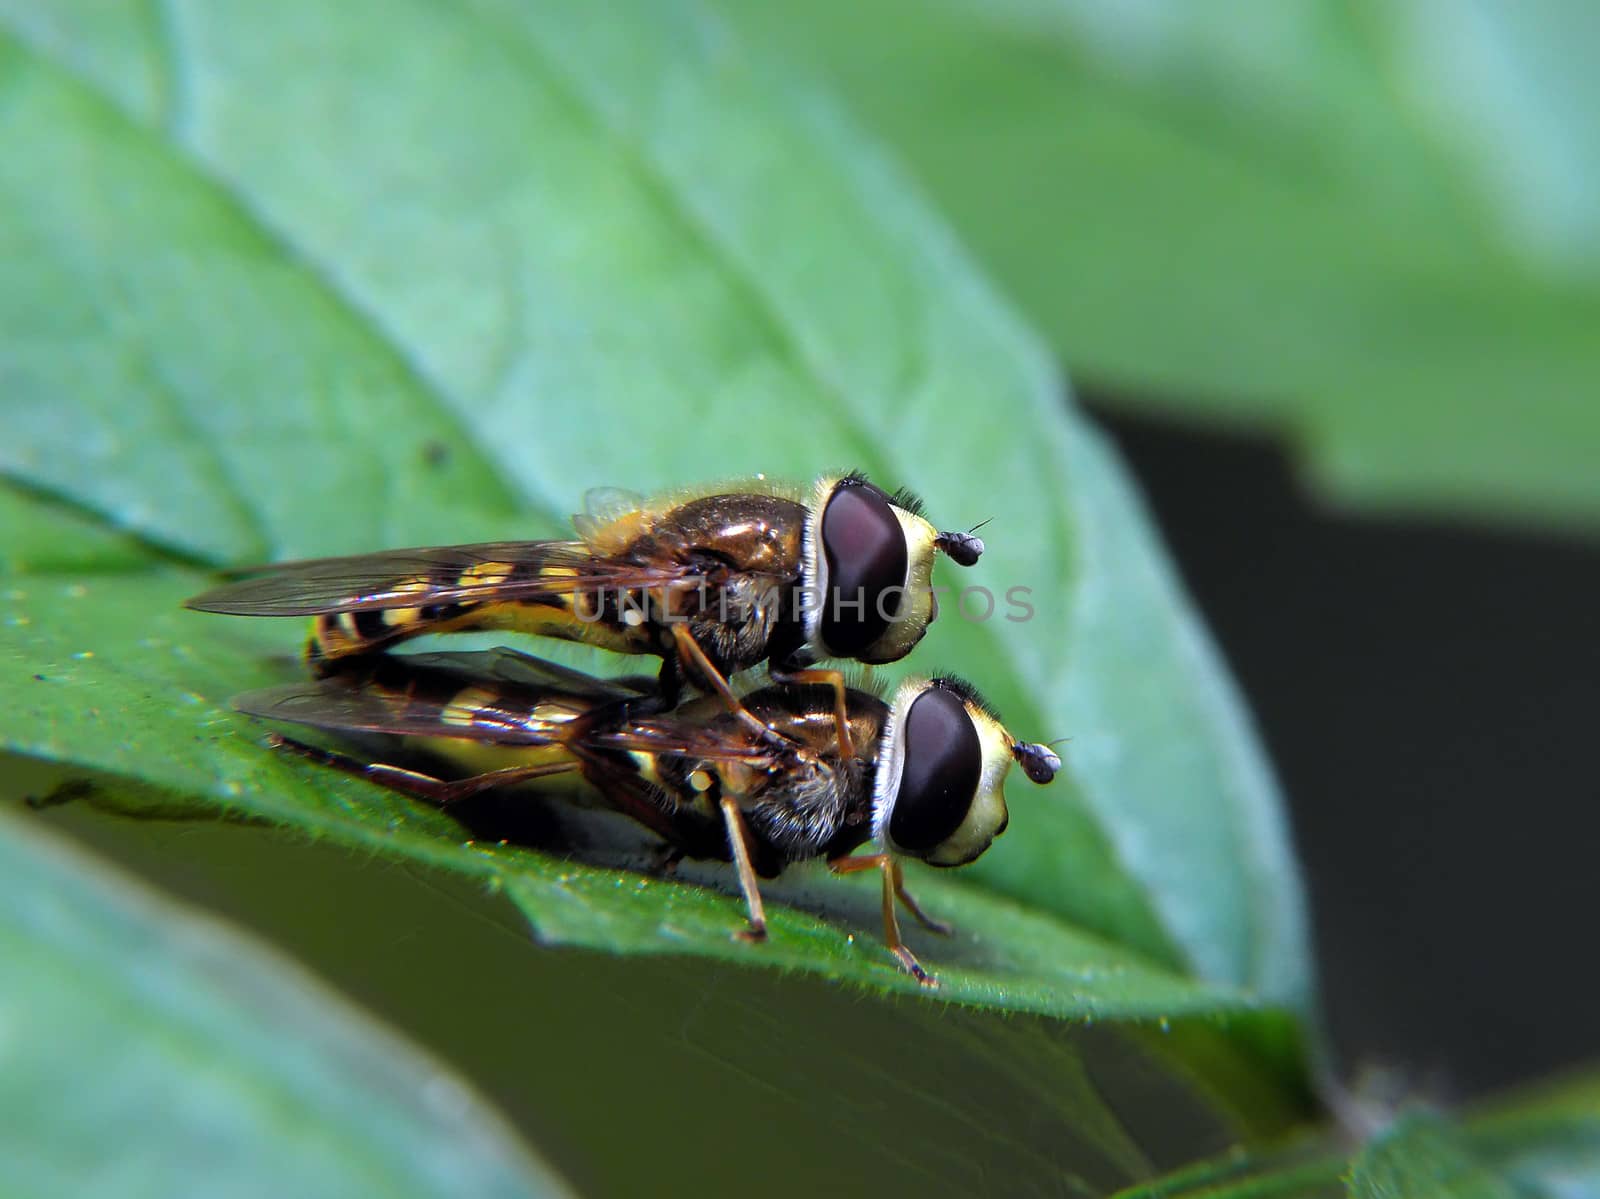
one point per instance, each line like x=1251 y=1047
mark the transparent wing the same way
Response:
x=497 y=570
x=719 y=741
x=494 y=695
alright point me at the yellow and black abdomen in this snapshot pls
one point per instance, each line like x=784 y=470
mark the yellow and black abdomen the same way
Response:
x=725 y=565
x=570 y=616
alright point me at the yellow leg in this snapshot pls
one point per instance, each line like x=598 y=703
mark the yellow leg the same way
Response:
x=695 y=658
x=893 y=887
x=915 y=908
x=739 y=842
x=841 y=712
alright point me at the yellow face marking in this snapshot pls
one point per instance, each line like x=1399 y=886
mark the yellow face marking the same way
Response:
x=465 y=705
x=700 y=780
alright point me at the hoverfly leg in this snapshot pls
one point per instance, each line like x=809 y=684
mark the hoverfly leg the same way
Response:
x=739 y=843
x=669 y=682
x=692 y=655
x=893 y=887
x=841 y=713
x=459 y=789
x=414 y=782
x=915 y=908
x=391 y=776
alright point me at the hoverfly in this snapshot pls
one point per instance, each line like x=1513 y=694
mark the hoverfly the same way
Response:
x=924 y=781
x=712 y=581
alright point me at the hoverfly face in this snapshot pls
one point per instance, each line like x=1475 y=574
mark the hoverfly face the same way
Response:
x=939 y=790
x=869 y=563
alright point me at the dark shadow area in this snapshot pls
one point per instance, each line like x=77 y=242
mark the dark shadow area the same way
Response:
x=1430 y=697
x=668 y=1076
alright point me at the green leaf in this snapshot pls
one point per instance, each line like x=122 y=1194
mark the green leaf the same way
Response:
x=700 y=1061
x=276 y=286
x=1152 y=1069
x=255 y=311
x=143 y=1047
x=601 y=251
x=1303 y=1171
x=1422 y=1155
x=40 y=536
x=100 y=654
x=1545 y=1143
x=1547 y=1139
x=1364 y=225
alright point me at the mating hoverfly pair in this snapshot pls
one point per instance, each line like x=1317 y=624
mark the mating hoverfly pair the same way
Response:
x=713 y=582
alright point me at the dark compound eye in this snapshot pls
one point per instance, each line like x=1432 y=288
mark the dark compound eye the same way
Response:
x=865 y=550
x=943 y=762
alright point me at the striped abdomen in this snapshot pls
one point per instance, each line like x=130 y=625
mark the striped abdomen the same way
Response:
x=573 y=616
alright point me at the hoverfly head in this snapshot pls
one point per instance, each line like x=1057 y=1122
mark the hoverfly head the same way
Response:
x=869 y=565
x=939 y=793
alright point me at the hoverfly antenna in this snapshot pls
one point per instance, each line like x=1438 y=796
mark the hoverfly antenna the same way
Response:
x=1038 y=762
x=962 y=548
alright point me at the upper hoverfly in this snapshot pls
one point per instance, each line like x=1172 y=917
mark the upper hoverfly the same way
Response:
x=713 y=581
x=925 y=779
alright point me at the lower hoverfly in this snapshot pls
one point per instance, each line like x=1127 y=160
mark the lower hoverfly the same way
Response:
x=714 y=581
x=925 y=779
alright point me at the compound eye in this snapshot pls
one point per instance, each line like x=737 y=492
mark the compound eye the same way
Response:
x=943 y=764
x=865 y=549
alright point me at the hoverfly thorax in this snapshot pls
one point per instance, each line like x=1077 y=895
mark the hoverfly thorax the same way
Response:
x=868 y=571
x=939 y=792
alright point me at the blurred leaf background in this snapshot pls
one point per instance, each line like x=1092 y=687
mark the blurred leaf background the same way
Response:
x=148 y=1048
x=307 y=281
x=1368 y=227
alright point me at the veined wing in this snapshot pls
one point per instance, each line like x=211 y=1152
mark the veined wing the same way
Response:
x=524 y=676
x=503 y=571
x=498 y=695
x=725 y=741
